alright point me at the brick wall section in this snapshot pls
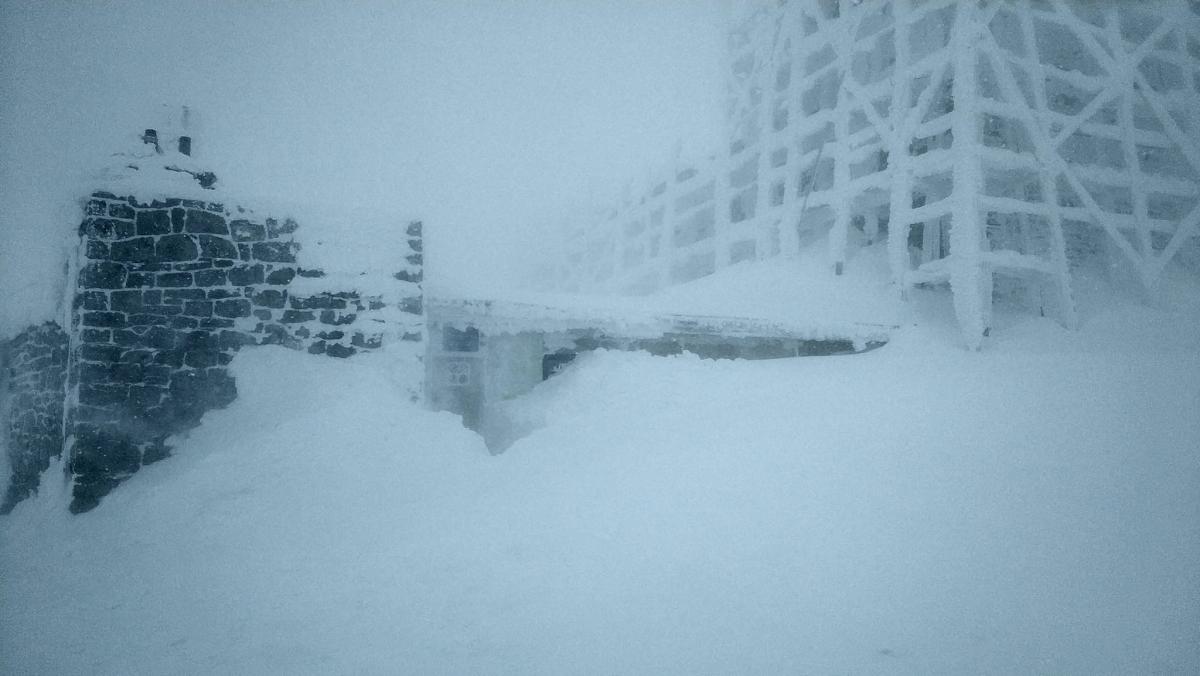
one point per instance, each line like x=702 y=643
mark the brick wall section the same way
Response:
x=35 y=371
x=167 y=292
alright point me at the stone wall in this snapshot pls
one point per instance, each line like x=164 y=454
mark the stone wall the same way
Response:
x=167 y=292
x=35 y=363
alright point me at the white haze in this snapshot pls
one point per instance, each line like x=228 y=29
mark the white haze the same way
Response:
x=492 y=121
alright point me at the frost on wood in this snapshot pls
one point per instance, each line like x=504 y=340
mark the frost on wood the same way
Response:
x=995 y=145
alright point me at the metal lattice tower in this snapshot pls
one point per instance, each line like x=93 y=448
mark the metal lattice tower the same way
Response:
x=997 y=141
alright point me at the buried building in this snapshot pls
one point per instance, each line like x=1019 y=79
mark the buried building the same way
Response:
x=997 y=146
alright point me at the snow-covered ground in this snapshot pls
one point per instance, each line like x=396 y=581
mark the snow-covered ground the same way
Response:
x=1032 y=508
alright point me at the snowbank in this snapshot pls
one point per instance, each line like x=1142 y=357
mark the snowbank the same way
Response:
x=917 y=509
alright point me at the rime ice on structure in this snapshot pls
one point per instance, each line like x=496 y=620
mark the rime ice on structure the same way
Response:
x=995 y=144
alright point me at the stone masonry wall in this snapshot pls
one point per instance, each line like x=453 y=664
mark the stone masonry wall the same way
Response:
x=35 y=374
x=167 y=292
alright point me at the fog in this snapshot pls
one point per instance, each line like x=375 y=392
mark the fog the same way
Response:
x=491 y=121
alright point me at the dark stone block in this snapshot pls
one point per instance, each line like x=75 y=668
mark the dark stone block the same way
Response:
x=245 y=231
x=139 y=280
x=409 y=276
x=223 y=263
x=96 y=335
x=156 y=375
x=244 y=252
x=159 y=338
x=317 y=347
x=212 y=278
x=310 y=274
x=205 y=340
x=144 y=397
x=102 y=395
x=102 y=275
x=193 y=204
x=275 y=252
x=163 y=309
x=281 y=276
x=336 y=318
x=92 y=300
x=95 y=208
x=97 y=250
x=147 y=319
x=202 y=264
x=411 y=336
x=180 y=295
x=239 y=307
x=414 y=229
x=232 y=340
x=104 y=319
x=177 y=248
x=121 y=210
x=126 y=338
x=339 y=350
x=149 y=267
x=264 y=315
x=217 y=323
x=225 y=358
x=276 y=229
x=220 y=294
x=172 y=358
x=153 y=222
x=171 y=279
x=163 y=204
x=246 y=275
x=331 y=335
x=184 y=322
x=362 y=341
x=152 y=297
x=94 y=374
x=201 y=358
x=270 y=298
x=126 y=373
x=127 y=301
x=296 y=316
x=139 y=250
x=411 y=305
x=415 y=245
x=102 y=228
x=198 y=308
x=101 y=353
x=177 y=219
x=215 y=207
x=415 y=259
x=376 y=305
x=205 y=222
x=137 y=356
x=217 y=247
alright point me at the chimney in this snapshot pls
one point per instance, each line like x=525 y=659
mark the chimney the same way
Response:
x=185 y=145
x=151 y=137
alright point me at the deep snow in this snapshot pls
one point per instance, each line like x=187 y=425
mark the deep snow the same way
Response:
x=1034 y=508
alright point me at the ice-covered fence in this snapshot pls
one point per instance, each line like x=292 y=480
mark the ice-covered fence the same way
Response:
x=1006 y=138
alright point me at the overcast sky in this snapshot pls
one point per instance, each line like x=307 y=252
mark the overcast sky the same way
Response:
x=487 y=119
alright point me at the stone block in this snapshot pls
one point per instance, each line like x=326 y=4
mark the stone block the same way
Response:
x=270 y=298
x=174 y=279
x=92 y=300
x=159 y=338
x=233 y=308
x=139 y=280
x=121 y=210
x=137 y=356
x=95 y=335
x=246 y=275
x=127 y=300
x=102 y=275
x=104 y=319
x=100 y=353
x=339 y=350
x=274 y=252
x=177 y=219
x=212 y=278
x=245 y=231
x=277 y=229
x=201 y=358
x=413 y=229
x=336 y=318
x=97 y=250
x=177 y=248
x=102 y=395
x=412 y=305
x=297 y=316
x=153 y=222
x=213 y=323
x=106 y=228
x=198 y=308
x=205 y=222
x=317 y=347
x=217 y=247
x=146 y=319
x=281 y=276
x=177 y=296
